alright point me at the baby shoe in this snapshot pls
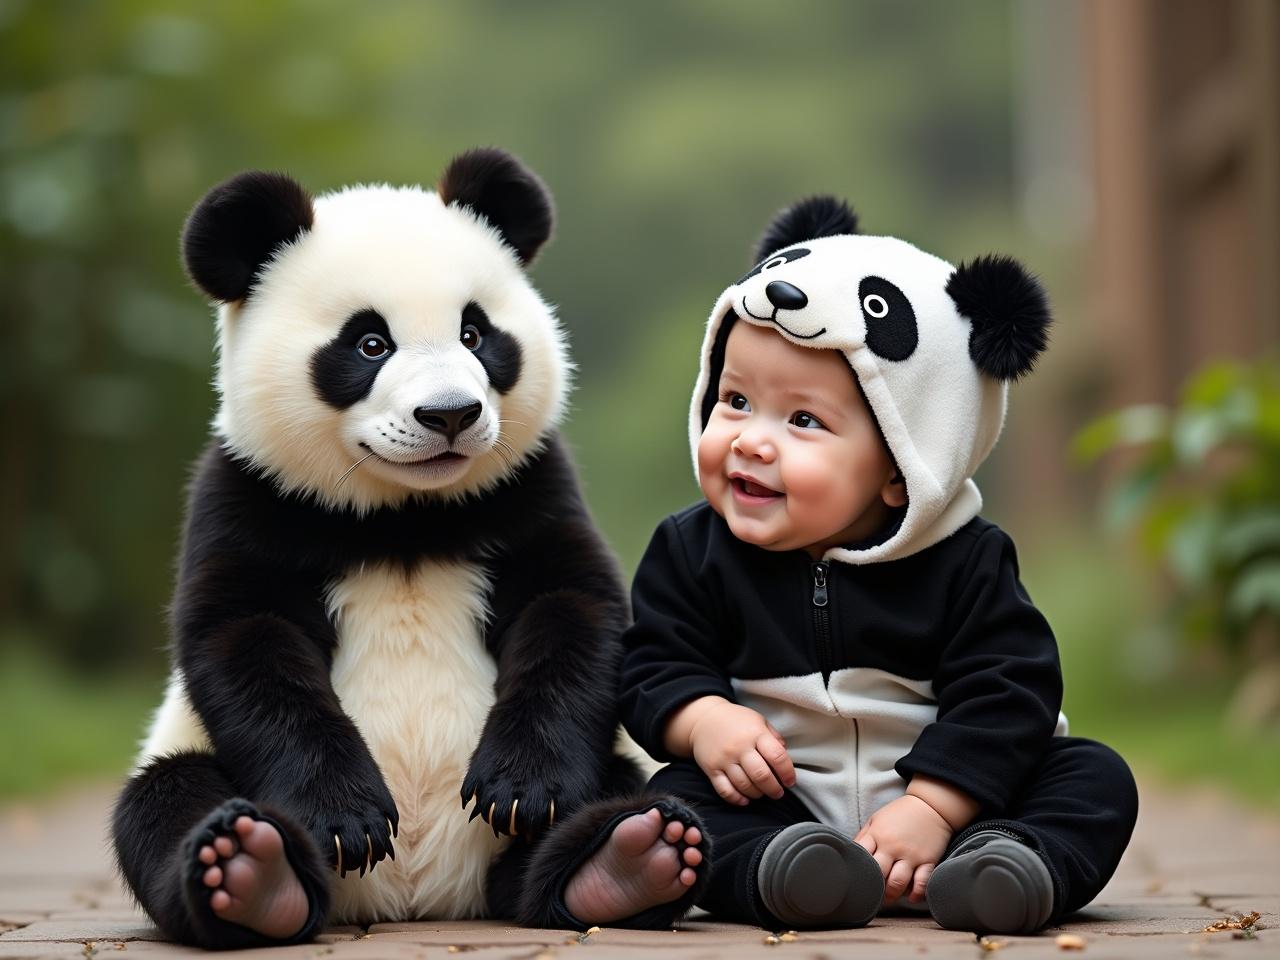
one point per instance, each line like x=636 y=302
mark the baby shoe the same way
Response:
x=991 y=883
x=813 y=876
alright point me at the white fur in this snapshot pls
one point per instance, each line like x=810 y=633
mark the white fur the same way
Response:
x=418 y=262
x=412 y=672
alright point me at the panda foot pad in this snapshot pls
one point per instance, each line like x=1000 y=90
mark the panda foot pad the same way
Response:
x=249 y=878
x=648 y=860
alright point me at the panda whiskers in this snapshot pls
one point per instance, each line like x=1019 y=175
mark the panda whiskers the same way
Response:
x=351 y=469
x=506 y=452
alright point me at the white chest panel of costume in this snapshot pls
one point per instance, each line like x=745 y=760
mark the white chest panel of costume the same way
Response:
x=844 y=736
x=412 y=671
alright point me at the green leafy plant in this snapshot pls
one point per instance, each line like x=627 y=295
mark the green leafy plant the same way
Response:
x=1200 y=485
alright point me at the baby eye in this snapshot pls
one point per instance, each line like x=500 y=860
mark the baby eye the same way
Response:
x=737 y=401
x=806 y=421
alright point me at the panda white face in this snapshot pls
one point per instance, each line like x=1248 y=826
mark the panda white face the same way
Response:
x=391 y=347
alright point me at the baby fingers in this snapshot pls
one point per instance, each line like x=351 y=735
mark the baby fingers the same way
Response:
x=899 y=878
x=774 y=752
x=725 y=788
x=743 y=782
x=921 y=882
x=758 y=770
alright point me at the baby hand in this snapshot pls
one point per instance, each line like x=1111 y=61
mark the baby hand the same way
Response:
x=738 y=750
x=906 y=837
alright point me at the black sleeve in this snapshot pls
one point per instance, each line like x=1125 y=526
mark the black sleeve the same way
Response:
x=998 y=684
x=673 y=653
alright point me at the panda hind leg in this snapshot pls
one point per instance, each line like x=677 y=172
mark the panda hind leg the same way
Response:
x=211 y=869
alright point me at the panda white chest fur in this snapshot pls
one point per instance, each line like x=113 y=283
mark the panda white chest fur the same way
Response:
x=411 y=670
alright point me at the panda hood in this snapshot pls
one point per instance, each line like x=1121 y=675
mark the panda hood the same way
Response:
x=932 y=346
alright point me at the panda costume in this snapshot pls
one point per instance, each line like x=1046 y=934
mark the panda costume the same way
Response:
x=390 y=595
x=914 y=652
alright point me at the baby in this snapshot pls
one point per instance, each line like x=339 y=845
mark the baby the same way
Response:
x=858 y=701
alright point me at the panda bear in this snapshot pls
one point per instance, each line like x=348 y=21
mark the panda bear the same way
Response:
x=390 y=595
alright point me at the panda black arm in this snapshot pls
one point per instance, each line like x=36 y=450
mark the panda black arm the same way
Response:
x=558 y=608
x=254 y=645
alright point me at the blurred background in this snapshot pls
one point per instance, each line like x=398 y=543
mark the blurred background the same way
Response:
x=1128 y=152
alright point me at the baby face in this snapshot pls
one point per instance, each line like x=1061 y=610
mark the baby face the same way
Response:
x=791 y=457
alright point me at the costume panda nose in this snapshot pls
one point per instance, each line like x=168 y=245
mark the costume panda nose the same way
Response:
x=785 y=296
x=450 y=421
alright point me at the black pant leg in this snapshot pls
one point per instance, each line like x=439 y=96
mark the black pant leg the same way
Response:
x=1078 y=810
x=738 y=838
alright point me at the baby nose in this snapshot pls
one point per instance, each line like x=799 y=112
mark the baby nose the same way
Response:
x=785 y=296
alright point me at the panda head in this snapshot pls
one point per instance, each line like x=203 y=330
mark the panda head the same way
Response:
x=394 y=328
x=933 y=348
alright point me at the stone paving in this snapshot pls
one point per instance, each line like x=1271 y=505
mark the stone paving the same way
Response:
x=1197 y=858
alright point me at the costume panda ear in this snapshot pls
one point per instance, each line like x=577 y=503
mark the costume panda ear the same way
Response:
x=1009 y=312
x=811 y=218
x=235 y=229
x=505 y=192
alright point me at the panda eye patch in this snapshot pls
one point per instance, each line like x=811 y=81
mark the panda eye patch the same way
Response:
x=777 y=260
x=470 y=337
x=373 y=347
x=890 y=319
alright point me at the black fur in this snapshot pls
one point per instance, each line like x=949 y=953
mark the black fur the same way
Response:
x=808 y=219
x=255 y=646
x=499 y=351
x=893 y=336
x=1009 y=312
x=505 y=192
x=554 y=863
x=236 y=228
x=178 y=802
x=340 y=375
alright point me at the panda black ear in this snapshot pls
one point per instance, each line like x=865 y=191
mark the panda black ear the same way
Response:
x=809 y=219
x=1009 y=312
x=505 y=192
x=235 y=229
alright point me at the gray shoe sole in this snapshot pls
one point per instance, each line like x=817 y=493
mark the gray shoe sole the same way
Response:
x=999 y=887
x=813 y=876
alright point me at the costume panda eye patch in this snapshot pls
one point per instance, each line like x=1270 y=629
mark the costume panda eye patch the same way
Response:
x=497 y=351
x=776 y=260
x=890 y=319
x=343 y=370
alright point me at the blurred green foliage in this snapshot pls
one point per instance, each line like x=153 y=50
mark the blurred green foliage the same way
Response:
x=1202 y=488
x=668 y=131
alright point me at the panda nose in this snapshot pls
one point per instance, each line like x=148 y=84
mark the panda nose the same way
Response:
x=785 y=296
x=450 y=421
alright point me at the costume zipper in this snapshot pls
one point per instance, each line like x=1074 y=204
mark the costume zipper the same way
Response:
x=822 y=619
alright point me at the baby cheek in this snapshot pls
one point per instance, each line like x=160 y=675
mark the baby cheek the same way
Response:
x=713 y=447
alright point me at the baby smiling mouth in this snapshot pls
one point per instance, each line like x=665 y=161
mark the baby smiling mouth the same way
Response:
x=754 y=489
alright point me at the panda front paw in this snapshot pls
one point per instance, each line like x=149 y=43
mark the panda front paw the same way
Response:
x=353 y=827
x=522 y=796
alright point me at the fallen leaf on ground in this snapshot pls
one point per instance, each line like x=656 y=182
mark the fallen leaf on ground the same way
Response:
x=988 y=944
x=1069 y=941
x=1237 y=921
